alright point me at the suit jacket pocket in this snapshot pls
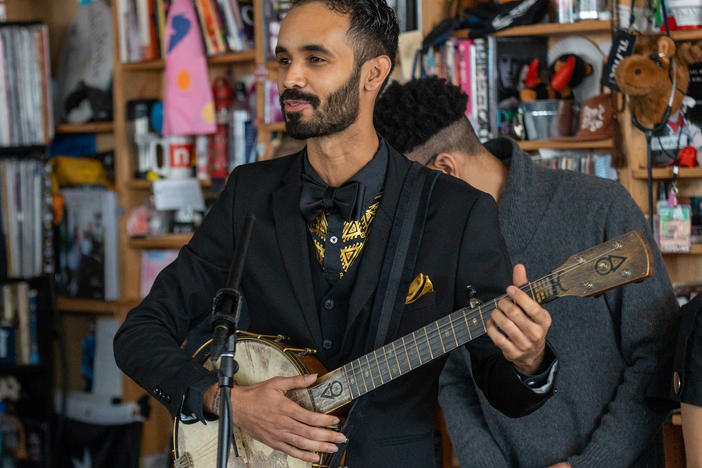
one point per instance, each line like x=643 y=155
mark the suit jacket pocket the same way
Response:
x=426 y=301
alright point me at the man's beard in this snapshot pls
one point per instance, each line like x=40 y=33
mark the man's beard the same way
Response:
x=340 y=110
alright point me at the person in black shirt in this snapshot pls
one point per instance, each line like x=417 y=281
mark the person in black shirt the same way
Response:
x=323 y=221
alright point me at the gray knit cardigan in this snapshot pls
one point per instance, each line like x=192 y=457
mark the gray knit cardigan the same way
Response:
x=607 y=347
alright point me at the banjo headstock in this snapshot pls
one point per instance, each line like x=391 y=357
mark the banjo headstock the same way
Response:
x=616 y=262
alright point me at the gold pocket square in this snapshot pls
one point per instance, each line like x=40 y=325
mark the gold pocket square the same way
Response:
x=419 y=286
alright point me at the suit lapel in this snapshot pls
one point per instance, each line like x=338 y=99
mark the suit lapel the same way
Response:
x=291 y=233
x=374 y=250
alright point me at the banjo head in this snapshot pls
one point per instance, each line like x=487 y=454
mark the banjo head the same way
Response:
x=259 y=360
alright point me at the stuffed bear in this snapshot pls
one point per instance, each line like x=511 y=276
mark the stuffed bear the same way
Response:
x=646 y=79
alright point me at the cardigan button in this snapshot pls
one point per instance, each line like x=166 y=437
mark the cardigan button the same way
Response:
x=676 y=382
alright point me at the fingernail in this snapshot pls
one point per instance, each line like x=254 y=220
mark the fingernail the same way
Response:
x=511 y=290
x=336 y=421
x=332 y=449
x=312 y=377
x=341 y=438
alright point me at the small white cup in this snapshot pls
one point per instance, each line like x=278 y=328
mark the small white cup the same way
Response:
x=177 y=154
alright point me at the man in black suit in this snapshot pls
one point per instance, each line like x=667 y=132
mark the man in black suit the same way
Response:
x=324 y=216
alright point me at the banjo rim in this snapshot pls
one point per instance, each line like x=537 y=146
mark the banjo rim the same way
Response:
x=287 y=351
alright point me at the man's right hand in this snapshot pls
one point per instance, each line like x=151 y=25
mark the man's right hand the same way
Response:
x=265 y=413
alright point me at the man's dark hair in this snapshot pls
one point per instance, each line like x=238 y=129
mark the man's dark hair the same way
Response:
x=425 y=117
x=373 y=31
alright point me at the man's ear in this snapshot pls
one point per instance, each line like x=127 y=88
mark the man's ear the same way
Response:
x=375 y=72
x=446 y=163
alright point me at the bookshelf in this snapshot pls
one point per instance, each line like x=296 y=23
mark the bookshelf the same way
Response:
x=219 y=59
x=171 y=241
x=548 y=29
x=666 y=173
x=98 y=127
x=695 y=249
x=87 y=306
x=141 y=184
x=533 y=145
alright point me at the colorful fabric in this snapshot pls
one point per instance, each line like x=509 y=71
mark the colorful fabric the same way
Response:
x=188 y=105
x=353 y=237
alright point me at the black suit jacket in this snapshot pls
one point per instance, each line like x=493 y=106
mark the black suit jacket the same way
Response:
x=461 y=245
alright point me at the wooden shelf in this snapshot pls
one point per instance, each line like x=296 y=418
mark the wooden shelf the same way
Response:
x=662 y=173
x=171 y=241
x=219 y=59
x=687 y=34
x=143 y=184
x=91 y=306
x=695 y=249
x=232 y=57
x=98 y=127
x=272 y=127
x=532 y=145
x=549 y=29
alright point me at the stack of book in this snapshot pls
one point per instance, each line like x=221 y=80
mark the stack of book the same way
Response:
x=490 y=71
x=272 y=110
x=599 y=165
x=25 y=101
x=226 y=25
x=19 y=343
x=273 y=13
x=25 y=230
x=88 y=257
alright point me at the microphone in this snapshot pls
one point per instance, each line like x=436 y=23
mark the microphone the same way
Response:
x=226 y=305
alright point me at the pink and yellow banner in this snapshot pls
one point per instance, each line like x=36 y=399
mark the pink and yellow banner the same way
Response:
x=188 y=106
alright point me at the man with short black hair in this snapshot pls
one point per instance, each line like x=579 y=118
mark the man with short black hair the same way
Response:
x=323 y=222
x=608 y=347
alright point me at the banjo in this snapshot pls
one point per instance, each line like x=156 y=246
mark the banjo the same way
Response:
x=614 y=263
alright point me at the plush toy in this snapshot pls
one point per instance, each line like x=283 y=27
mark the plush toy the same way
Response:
x=566 y=72
x=647 y=77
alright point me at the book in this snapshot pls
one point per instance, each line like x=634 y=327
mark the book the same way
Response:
x=24 y=226
x=88 y=257
x=473 y=87
x=482 y=116
x=122 y=29
x=243 y=17
x=209 y=27
x=509 y=57
x=152 y=262
x=33 y=335
x=4 y=109
x=273 y=13
x=147 y=42
x=272 y=112
x=246 y=11
x=231 y=29
x=24 y=86
x=23 y=338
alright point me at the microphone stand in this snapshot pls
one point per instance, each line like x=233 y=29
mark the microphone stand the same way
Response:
x=226 y=310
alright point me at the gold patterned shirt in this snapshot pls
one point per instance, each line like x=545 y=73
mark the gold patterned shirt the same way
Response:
x=337 y=244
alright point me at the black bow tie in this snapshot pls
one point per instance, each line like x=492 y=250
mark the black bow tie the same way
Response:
x=317 y=198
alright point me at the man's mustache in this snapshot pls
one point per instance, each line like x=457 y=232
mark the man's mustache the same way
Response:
x=297 y=95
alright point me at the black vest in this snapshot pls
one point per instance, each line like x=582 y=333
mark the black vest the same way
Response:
x=332 y=300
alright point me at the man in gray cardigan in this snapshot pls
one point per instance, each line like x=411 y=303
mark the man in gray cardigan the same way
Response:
x=608 y=347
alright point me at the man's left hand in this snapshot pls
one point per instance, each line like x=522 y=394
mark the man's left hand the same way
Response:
x=518 y=326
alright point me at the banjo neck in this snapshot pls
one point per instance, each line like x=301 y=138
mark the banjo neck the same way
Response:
x=619 y=261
